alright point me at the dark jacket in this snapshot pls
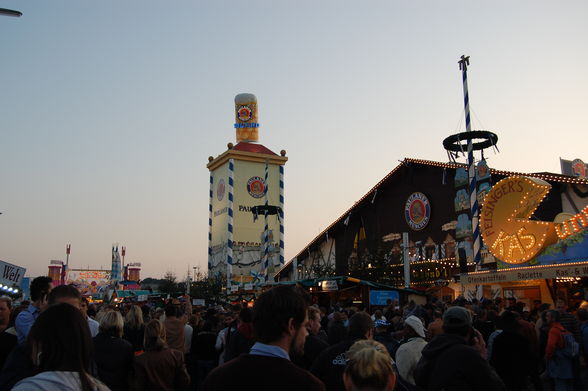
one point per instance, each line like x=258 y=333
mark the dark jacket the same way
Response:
x=330 y=365
x=313 y=346
x=135 y=337
x=162 y=370
x=512 y=359
x=239 y=341
x=260 y=373
x=449 y=363
x=114 y=360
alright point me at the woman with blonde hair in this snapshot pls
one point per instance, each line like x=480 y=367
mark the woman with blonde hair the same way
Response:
x=369 y=367
x=112 y=354
x=134 y=328
x=159 y=368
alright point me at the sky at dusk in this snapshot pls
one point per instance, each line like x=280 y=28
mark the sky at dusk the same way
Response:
x=109 y=110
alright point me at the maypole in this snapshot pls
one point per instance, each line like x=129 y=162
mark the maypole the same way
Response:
x=473 y=191
x=230 y=225
x=266 y=227
x=454 y=144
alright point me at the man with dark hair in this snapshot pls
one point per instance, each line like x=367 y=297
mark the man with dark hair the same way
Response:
x=65 y=294
x=313 y=345
x=455 y=360
x=279 y=325
x=40 y=288
x=330 y=364
x=94 y=325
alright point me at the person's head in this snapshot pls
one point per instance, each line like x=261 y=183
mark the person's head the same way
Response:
x=84 y=306
x=369 y=367
x=457 y=321
x=5 y=308
x=507 y=321
x=361 y=325
x=245 y=315
x=552 y=316
x=413 y=327
x=112 y=324
x=40 y=288
x=154 y=338
x=65 y=294
x=561 y=305
x=134 y=318
x=60 y=341
x=280 y=314
x=314 y=320
x=170 y=311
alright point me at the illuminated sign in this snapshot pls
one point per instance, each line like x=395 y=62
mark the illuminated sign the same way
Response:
x=505 y=224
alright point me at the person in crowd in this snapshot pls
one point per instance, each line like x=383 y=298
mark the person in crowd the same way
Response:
x=113 y=355
x=337 y=331
x=40 y=288
x=511 y=355
x=61 y=350
x=240 y=341
x=559 y=367
x=18 y=364
x=436 y=326
x=94 y=325
x=409 y=353
x=221 y=339
x=8 y=338
x=484 y=325
x=377 y=315
x=583 y=319
x=134 y=328
x=159 y=368
x=204 y=354
x=188 y=334
x=382 y=335
x=368 y=368
x=279 y=325
x=313 y=345
x=567 y=320
x=174 y=328
x=330 y=364
x=455 y=360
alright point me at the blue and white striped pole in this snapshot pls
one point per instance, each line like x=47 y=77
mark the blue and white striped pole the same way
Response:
x=230 y=225
x=210 y=225
x=266 y=228
x=281 y=214
x=474 y=209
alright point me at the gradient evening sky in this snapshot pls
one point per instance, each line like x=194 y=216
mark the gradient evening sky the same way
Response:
x=110 y=109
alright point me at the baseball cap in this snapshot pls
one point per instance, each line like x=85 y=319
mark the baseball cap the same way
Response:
x=457 y=316
x=381 y=323
x=416 y=324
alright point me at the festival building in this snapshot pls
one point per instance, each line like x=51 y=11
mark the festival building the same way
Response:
x=534 y=234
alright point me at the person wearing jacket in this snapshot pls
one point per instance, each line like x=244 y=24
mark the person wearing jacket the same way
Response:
x=112 y=354
x=559 y=368
x=455 y=360
x=330 y=364
x=160 y=368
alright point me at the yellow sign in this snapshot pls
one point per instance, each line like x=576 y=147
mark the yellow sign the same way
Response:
x=505 y=224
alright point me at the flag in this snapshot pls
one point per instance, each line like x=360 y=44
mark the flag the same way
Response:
x=359 y=236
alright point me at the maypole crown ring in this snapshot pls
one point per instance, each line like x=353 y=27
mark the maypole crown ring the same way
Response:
x=454 y=142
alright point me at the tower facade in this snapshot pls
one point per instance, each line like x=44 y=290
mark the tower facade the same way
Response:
x=246 y=219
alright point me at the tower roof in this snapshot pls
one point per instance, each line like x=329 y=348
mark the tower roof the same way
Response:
x=255 y=148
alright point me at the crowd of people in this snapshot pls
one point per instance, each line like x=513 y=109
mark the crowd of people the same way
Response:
x=59 y=341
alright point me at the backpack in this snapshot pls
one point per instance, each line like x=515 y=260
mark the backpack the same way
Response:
x=571 y=348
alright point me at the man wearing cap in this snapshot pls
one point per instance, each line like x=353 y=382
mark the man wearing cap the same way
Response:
x=409 y=353
x=455 y=360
